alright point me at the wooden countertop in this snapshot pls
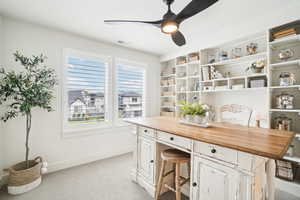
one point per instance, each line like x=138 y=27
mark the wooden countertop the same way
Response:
x=259 y=141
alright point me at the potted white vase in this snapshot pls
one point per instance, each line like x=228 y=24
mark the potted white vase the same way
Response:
x=189 y=118
x=198 y=119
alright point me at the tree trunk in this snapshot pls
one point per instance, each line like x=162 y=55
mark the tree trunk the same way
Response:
x=28 y=127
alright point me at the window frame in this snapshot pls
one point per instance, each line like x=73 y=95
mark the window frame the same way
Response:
x=119 y=121
x=67 y=129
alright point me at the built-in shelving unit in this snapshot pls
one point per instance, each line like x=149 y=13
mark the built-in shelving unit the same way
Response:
x=215 y=78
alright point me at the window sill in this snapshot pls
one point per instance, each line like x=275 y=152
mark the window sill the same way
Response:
x=88 y=131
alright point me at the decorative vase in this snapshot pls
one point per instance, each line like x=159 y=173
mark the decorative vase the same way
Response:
x=198 y=119
x=22 y=179
x=189 y=118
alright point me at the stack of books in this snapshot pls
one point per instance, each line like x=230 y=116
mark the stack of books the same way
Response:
x=284 y=33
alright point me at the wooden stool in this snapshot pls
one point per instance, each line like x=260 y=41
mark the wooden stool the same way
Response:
x=176 y=157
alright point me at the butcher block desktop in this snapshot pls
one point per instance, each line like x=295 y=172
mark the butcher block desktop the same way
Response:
x=228 y=162
x=269 y=143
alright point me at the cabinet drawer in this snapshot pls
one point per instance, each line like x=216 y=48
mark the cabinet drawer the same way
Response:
x=175 y=140
x=215 y=151
x=146 y=131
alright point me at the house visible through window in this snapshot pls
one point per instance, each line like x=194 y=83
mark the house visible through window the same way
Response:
x=130 y=84
x=85 y=90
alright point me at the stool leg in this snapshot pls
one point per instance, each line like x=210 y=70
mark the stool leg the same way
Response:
x=177 y=182
x=160 y=179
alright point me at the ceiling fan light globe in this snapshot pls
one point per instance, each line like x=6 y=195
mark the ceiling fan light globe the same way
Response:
x=169 y=27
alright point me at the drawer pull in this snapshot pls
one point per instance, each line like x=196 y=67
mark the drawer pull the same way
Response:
x=145 y=131
x=171 y=138
x=213 y=151
x=194 y=184
x=151 y=161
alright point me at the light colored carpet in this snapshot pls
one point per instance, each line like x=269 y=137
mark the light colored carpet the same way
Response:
x=108 y=179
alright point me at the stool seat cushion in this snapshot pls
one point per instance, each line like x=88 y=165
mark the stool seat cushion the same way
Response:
x=175 y=155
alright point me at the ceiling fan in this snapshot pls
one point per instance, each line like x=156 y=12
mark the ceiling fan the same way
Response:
x=171 y=21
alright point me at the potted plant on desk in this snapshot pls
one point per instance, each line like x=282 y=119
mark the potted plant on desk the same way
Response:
x=200 y=113
x=187 y=111
x=20 y=92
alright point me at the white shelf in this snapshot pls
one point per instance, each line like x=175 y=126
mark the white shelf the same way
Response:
x=236 y=77
x=298 y=136
x=192 y=91
x=181 y=78
x=237 y=60
x=166 y=86
x=194 y=76
x=234 y=90
x=285 y=41
x=167 y=96
x=286 y=110
x=189 y=63
x=285 y=87
x=281 y=64
x=167 y=76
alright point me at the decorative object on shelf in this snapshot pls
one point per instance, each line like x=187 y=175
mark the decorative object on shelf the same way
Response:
x=196 y=86
x=285 y=54
x=286 y=79
x=222 y=87
x=236 y=52
x=22 y=92
x=182 y=89
x=285 y=101
x=211 y=59
x=181 y=74
x=171 y=81
x=282 y=122
x=193 y=56
x=227 y=74
x=286 y=170
x=284 y=33
x=252 y=48
x=257 y=82
x=238 y=86
x=195 y=114
x=223 y=55
x=181 y=60
x=257 y=66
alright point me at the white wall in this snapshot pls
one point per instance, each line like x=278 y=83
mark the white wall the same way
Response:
x=46 y=135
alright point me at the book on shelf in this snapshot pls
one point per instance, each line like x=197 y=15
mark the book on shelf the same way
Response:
x=284 y=33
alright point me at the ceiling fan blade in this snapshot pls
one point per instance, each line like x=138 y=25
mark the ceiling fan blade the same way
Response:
x=194 y=7
x=154 y=23
x=178 y=38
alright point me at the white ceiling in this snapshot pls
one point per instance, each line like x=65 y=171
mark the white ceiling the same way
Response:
x=225 y=20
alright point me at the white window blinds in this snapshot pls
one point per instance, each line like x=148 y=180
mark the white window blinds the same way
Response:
x=86 y=80
x=130 y=89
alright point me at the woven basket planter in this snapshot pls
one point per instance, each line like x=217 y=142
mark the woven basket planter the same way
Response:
x=22 y=180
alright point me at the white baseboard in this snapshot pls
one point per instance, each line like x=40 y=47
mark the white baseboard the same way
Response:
x=53 y=167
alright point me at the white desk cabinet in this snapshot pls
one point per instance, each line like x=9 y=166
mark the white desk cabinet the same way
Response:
x=145 y=159
x=214 y=181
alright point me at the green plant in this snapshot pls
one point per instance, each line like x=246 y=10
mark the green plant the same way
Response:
x=25 y=90
x=187 y=109
x=200 y=110
x=193 y=109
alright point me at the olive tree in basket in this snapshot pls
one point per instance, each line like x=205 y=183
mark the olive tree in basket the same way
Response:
x=20 y=92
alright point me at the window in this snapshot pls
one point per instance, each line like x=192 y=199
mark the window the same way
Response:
x=130 y=89
x=85 y=90
x=98 y=94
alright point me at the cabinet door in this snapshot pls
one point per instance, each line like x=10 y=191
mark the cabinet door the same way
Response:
x=213 y=181
x=146 y=155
